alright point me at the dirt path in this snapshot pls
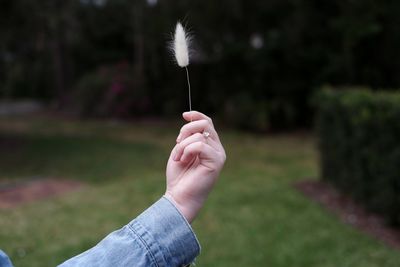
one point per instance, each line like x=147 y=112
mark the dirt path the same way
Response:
x=350 y=212
x=13 y=194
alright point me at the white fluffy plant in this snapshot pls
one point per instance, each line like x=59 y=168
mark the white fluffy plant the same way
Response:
x=181 y=50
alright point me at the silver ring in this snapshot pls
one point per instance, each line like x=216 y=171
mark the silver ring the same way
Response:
x=206 y=134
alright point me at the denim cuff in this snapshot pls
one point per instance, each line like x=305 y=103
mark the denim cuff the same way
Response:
x=166 y=234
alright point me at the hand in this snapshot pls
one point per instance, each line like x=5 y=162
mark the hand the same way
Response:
x=194 y=164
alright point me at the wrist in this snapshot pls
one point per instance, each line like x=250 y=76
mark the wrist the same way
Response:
x=186 y=208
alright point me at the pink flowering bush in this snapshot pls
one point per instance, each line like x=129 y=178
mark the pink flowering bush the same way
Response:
x=110 y=91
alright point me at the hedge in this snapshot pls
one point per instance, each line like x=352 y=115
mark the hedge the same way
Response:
x=359 y=143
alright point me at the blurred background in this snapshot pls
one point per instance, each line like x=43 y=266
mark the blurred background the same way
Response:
x=259 y=58
x=90 y=93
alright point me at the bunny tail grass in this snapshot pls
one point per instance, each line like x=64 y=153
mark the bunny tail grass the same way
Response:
x=181 y=46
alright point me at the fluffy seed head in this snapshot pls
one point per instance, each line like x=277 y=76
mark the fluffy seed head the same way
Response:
x=181 y=46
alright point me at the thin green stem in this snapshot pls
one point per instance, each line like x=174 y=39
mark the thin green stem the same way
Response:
x=190 y=98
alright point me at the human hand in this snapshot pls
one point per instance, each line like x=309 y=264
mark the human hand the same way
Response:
x=194 y=164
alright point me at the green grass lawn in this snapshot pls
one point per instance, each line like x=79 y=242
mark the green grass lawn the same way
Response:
x=254 y=217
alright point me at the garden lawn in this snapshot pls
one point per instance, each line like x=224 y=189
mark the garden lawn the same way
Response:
x=254 y=217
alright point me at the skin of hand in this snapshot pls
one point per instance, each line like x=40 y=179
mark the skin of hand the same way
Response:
x=194 y=164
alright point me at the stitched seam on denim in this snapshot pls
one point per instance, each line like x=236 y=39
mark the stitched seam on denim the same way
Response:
x=144 y=243
x=160 y=248
x=187 y=224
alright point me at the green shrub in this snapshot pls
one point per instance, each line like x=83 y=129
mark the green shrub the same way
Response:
x=245 y=112
x=359 y=141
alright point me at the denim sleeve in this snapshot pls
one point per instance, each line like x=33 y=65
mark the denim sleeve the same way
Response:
x=4 y=260
x=160 y=236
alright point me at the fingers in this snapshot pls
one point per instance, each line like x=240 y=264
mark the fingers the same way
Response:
x=205 y=152
x=198 y=126
x=180 y=147
x=195 y=116
x=197 y=137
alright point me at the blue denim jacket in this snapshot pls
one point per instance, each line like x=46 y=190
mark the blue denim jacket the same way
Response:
x=160 y=236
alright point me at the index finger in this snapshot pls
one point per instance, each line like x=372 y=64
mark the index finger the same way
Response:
x=195 y=116
x=193 y=127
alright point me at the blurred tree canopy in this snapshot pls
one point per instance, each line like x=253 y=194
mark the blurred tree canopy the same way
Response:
x=255 y=63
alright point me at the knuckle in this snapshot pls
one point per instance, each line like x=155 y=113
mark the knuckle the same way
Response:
x=198 y=135
x=200 y=145
x=205 y=122
x=223 y=158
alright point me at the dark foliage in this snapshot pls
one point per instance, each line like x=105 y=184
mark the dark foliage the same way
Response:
x=255 y=66
x=358 y=134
